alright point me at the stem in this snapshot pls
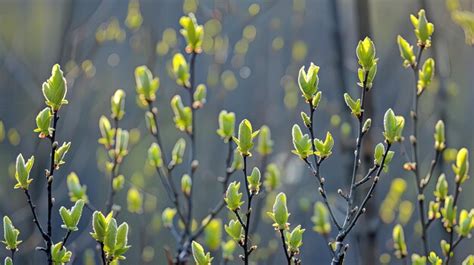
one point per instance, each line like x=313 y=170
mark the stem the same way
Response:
x=192 y=136
x=66 y=237
x=102 y=254
x=451 y=233
x=114 y=171
x=413 y=140
x=285 y=247
x=247 y=251
x=35 y=216
x=49 y=180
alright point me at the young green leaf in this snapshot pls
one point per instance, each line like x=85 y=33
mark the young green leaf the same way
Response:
x=226 y=125
x=43 y=122
x=354 y=106
x=426 y=75
x=393 y=126
x=22 y=174
x=182 y=115
x=60 y=153
x=245 y=138
x=213 y=234
x=192 y=32
x=406 y=52
x=76 y=190
x=461 y=168
x=301 y=143
x=71 y=217
x=181 y=70
x=55 y=89
x=178 y=152
x=60 y=255
x=308 y=81
x=423 y=28
x=154 y=155
x=200 y=257
x=233 y=196
x=117 y=104
x=321 y=219
x=167 y=216
x=439 y=136
x=234 y=230
x=146 y=85
x=186 y=184
x=324 y=149
x=295 y=239
x=399 y=244
x=10 y=234
x=280 y=212
x=265 y=142
x=254 y=180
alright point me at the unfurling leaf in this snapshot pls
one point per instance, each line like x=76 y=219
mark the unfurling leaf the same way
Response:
x=234 y=230
x=55 y=89
x=76 y=190
x=399 y=244
x=354 y=106
x=295 y=239
x=301 y=143
x=426 y=75
x=200 y=257
x=59 y=254
x=183 y=116
x=245 y=138
x=71 y=217
x=178 y=152
x=10 y=234
x=43 y=123
x=186 y=184
x=167 y=216
x=154 y=155
x=280 y=213
x=265 y=142
x=321 y=219
x=308 y=81
x=254 y=180
x=181 y=70
x=324 y=149
x=192 y=32
x=423 y=28
x=406 y=52
x=439 y=136
x=117 y=104
x=233 y=196
x=60 y=153
x=22 y=174
x=461 y=168
x=146 y=85
x=226 y=125
x=393 y=126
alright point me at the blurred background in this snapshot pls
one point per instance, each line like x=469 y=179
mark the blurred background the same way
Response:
x=252 y=52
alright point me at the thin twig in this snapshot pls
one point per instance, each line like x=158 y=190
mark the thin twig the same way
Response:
x=285 y=247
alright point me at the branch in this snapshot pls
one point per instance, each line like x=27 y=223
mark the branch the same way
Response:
x=285 y=247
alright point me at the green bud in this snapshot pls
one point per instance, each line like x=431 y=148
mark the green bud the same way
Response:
x=399 y=244
x=265 y=143
x=76 y=190
x=167 y=216
x=226 y=125
x=23 y=170
x=295 y=239
x=316 y=100
x=181 y=70
x=238 y=161
x=301 y=143
x=55 y=89
x=465 y=223
x=71 y=217
x=43 y=122
x=378 y=154
x=461 y=168
x=150 y=123
x=406 y=52
x=320 y=219
x=118 y=183
x=183 y=116
x=366 y=126
x=449 y=212
x=199 y=96
x=433 y=210
x=110 y=236
x=178 y=152
x=213 y=234
x=121 y=146
x=146 y=85
x=115 y=241
x=423 y=29
x=324 y=149
x=280 y=212
x=426 y=75
x=354 y=106
x=444 y=248
x=134 y=201
x=60 y=254
x=200 y=257
x=393 y=126
x=234 y=230
x=186 y=184
x=306 y=119
x=99 y=225
x=254 y=180
x=106 y=132
x=366 y=53
x=228 y=249
x=441 y=190
x=59 y=154
x=154 y=155
x=245 y=138
x=469 y=260
x=10 y=235
x=192 y=32
x=418 y=260
x=434 y=259
x=308 y=81
x=117 y=103
x=439 y=136
x=233 y=197
x=8 y=261
x=272 y=178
